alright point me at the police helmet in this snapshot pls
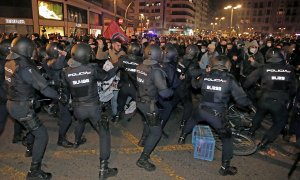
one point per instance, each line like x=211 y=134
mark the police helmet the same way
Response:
x=170 y=53
x=221 y=63
x=153 y=52
x=82 y=53
x=5 y=47
x=192 y=51
x=22 y=46
x=52 y=49
x=274 y=55
x=134 y=48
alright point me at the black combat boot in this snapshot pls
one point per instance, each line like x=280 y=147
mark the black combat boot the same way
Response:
x=79 y=142
x=116 y=118
x=28 y=152
x=182 y=137
x=226 y=169
x=36 y=173
x=143 y=162
x=262 y=146
x=62 y=141
x=106 y=172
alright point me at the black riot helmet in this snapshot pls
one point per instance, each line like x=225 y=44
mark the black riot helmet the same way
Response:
x=170 y=54
x=22 y=46
x=192 y=51
x=81 y=53
x=5 y=47
x=134 y=48
x=274 y=55
x=153 y=52
x=53 y=49
x=221 y=63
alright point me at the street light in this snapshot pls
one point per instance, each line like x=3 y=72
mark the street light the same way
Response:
x=213 y=25
x=219 y=19
x=231 y=15
x=115 y=9
x=126 y=12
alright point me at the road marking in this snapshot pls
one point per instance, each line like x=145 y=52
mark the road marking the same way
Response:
x=155 y=158
x=13 y=173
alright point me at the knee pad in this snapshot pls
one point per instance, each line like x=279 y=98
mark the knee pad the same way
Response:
x=224 y=133
x=30 y=122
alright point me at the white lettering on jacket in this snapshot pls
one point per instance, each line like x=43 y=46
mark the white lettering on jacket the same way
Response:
x=278 y=70
x=280 y=78
x=215 y=80
x=214 y=88
x=140 y=80
x=79 y=74
x=83 y=81
x=141 y=72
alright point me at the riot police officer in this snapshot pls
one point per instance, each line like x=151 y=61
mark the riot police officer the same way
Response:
x=22 y=78
x=4 y=51
x=127 y=83
x=151 y=83
x=81 y=79
x=54 y=66
x=169 y=65
x=278 y=84
x=217 y=87
x=183 y=92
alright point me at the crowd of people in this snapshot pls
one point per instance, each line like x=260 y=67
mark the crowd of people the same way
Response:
x=153 y=74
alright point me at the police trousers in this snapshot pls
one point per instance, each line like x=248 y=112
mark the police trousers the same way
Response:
x=218 y=123
x=279 y=113
x=93 y=114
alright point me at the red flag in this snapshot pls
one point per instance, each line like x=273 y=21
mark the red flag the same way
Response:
x=114 y=31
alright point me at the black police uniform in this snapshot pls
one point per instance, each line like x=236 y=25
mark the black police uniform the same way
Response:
x=183 y=93
x=217 y=88
x=81 y=79
x=151 y=84
x=127 y=83
x=22 y=78
x=54 y=66
x=278 y=85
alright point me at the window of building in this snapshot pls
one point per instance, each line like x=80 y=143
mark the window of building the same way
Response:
x=157 y=10
x=12 y=9
x=296 y=3
x=280 y=12
x=157 y=17
x=157 y=24
x=253 y=19
x=258 y=20
x=267 y=20
x=269 y=4
x=261 y=5
x=294 y=12
x=255 y=13
x=142 y=3
x=95 y=19
x=268 y=12
x=293 y=19
x=141 y=10
x=260 y=13
x=256 y=5
x=288 y=12
x=77 y=15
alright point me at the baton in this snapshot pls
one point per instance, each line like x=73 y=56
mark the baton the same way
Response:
x=294 y=166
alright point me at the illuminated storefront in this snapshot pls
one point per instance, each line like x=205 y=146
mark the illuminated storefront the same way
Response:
x=50 y=10
x=49 y=30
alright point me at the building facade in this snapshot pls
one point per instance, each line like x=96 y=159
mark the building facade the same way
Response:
x=169 y=16
x=270 y=16
x=65 y=17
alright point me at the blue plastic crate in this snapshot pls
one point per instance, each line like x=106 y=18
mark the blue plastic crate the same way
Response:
x=204 y=143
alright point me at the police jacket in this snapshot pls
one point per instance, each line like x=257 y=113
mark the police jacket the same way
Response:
x=151 y=81
x=128 y=74
x=186 y=68
x=277 y=81
x=172 y=74
x=217 y=87
x=82 y=79
x=22 y=78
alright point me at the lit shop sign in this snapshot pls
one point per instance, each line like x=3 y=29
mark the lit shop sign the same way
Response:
x=78 y=25
x=14 y=21
x=50 y=10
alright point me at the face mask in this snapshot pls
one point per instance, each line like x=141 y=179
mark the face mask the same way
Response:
x=261 y=42
x=203 y=50
x=253 y=50
x=269 y=44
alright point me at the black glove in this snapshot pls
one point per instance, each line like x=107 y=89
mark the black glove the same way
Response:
x=63 y=98
x=252 y=108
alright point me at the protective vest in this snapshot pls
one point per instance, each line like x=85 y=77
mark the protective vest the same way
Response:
x=147 y=89
x=216 y=87
x=17 y=89
x=130 y=63
x=276 y=78
x=172 y=75
x=82 y=84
